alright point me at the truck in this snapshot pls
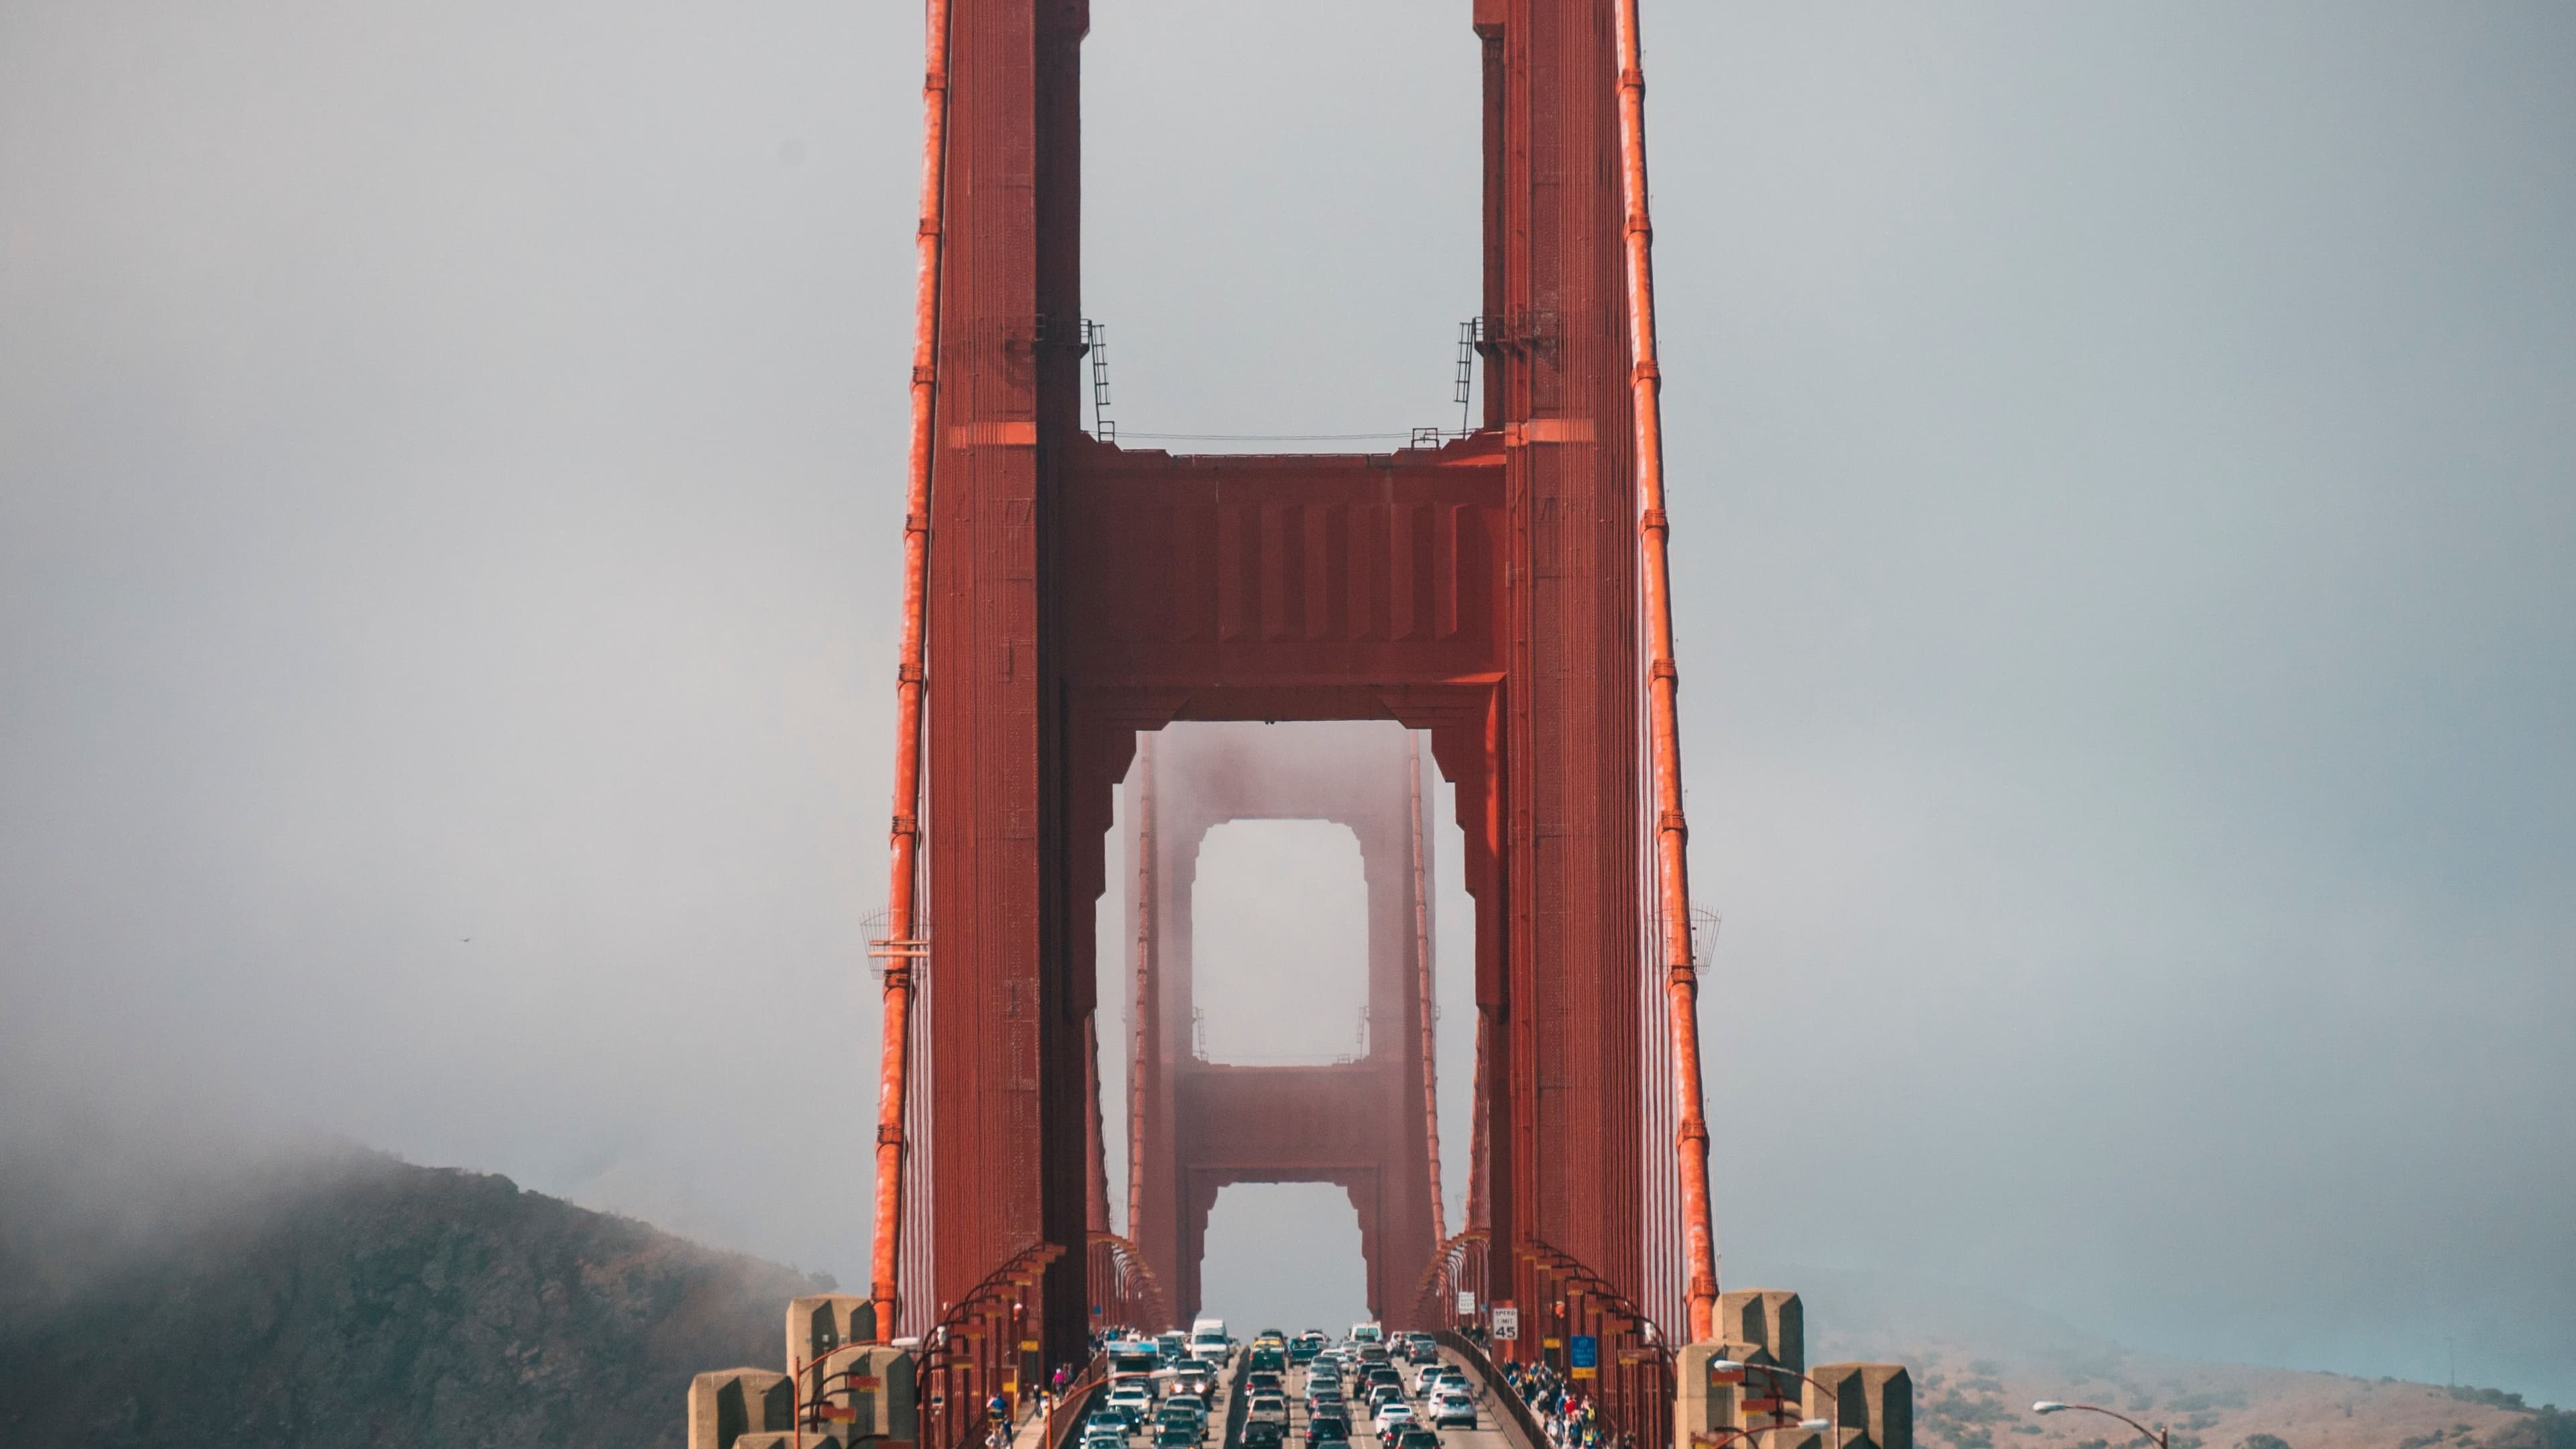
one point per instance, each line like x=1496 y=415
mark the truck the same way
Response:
x=1208 y=1343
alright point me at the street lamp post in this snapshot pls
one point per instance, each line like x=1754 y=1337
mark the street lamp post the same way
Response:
x=2051 y=1406
x=1724 y=1437
x=1728 y=1365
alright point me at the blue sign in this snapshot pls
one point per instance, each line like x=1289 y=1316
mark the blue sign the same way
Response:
x=1583 y=1351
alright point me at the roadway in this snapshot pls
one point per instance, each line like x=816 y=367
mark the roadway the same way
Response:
x=1493 y=1429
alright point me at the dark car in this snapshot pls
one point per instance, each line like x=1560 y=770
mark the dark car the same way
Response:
x=1329 y=1426
x=1176 y=1436
x=1417 y=1439
x=1263 y=1435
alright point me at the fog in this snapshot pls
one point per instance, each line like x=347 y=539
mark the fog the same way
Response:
x=2124 y=466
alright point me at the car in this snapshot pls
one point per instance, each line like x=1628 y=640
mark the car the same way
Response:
x=1112 y=1433
x=1322 y=1439
x=1452 y=1409
x=1425 y=1376
x=1177 y=1436
x=1266 y=1408
x=1264 y=1381
x=1130 y=1401
x=1415 y=1439
x=1328 y=1426
x=1305 y=1346
x=1390 y=1416
x=1326 y=1403
x=1367 y=1333
x=1191 y=1402
x=1263 y=1436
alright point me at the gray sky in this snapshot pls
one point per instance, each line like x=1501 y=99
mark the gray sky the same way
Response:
x=450 y=465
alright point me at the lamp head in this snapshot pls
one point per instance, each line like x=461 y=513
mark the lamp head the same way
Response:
x=1815 y=1426
x=1724 y=1366
x=2046 y=1406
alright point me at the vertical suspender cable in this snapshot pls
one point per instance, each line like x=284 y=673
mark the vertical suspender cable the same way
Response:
x=1681 y=988
x=1145 y=1018
x=1422 y=994
x=902 y=945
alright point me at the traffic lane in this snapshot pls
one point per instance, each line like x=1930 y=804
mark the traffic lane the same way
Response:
x=1491 y=1431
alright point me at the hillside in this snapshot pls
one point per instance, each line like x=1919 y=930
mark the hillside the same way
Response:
x=1980 y=1361
x=313 y=1301
x=355 y=1300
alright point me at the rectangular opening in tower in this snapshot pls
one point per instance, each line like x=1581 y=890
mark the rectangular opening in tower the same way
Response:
x=1281 y=249
x=1279 y=944
x=1284 y=1255
x=1269 y=874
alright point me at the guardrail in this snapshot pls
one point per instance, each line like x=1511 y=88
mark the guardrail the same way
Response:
x=1524 y=1424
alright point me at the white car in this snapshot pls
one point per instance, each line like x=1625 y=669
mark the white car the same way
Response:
x=1266 y=1408
x=1451 y=1409
x=1392 y=1413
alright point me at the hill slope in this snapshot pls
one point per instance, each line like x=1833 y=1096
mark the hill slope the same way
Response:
x=362 y=1301
x=1979 y=1360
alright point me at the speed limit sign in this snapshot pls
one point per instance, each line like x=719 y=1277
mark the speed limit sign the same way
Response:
x=1507 y=1321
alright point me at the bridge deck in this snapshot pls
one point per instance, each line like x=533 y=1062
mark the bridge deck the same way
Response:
x=1495 y=1428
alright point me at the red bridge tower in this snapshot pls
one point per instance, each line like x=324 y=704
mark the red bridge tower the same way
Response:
x=1504 y=592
